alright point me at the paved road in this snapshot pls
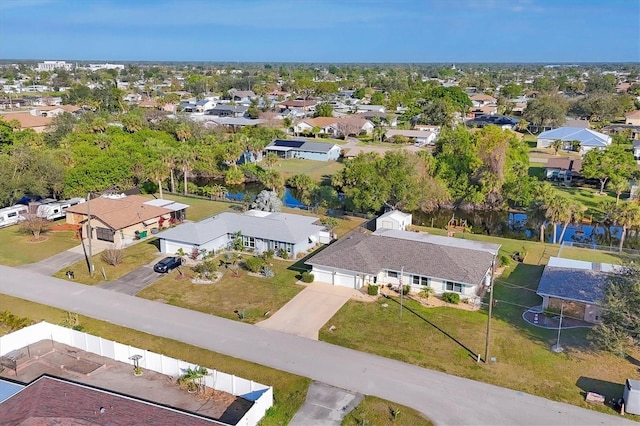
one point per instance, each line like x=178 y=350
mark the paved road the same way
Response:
x=446 y=399
x=53 y=264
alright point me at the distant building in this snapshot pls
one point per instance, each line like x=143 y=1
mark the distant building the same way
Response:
x=53 y=65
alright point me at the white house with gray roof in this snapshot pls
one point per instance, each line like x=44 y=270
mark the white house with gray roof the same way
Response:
x=394 y=257
x=292 y=148
x=260 y=231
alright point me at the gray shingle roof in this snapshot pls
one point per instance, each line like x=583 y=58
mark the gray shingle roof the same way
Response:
x=285 y=227
x=306 y=146
x=581 y=285
x=370 y=254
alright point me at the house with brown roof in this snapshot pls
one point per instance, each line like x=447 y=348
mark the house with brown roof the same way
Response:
x=304 y=104
x=27 y=120
x=55 y=110
x=632 y=118
x=480 y=100
x=335 y=126
x=563 y=169
x=394 y=257
x=121 y=219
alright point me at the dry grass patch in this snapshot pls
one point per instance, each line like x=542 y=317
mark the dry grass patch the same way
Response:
x=17 y=249
x=374 y=411
x=251 y=294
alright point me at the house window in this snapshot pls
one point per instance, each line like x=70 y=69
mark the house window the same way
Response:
x=457 y=287
x=249 y=242
x=105 y=234
x=392 y=274
x=418 y=280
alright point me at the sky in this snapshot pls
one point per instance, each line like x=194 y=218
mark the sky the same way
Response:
x=322 y=31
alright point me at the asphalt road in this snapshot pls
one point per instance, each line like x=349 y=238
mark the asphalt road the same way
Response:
x=447 y=400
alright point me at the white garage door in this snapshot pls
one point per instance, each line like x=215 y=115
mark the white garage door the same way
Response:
x=322 y=276
x=344 y=280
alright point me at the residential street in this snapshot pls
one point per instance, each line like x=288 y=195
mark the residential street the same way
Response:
x=445 y=399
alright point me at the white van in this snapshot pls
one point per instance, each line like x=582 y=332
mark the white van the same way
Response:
x=13 y=214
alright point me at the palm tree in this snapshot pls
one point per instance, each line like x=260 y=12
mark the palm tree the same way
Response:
x=186 y=157
x=556 y=145
x=626 y=215
x=572 y=213
x=555 y=212
x=427 y=292
x=270 y=159
x=157 y=172
x=168 y=156
x=183 y=132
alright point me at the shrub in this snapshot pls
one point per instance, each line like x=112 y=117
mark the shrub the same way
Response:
x=268 y=255
x=254 y=264
x=283 y=254
x=405 y=289
x=268 y=272
x=505 y=260
x=307 y=277
x=372 y=290
x=112 y=256
x=451 y=298
x=206 y=268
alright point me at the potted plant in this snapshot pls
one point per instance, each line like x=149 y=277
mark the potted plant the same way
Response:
x=137 y=371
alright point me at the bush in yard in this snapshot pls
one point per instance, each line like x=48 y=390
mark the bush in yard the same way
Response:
x=268 y=272
x=307 y=277
x=405 y=289
x=206 y=269
x=372 y=290
x=283 y=254
x=505 y=260
x=254 y=264
x=112 y=256
x=451 y=298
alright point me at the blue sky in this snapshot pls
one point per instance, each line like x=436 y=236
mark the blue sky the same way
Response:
x=322 y=30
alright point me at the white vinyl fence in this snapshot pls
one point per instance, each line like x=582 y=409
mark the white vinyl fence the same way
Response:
x=261 y=395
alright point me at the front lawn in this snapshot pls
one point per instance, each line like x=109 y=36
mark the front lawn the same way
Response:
x=134 y=257
x=16 y=248
x=374 y=411
x=318 y=170
x=201 y=208
x=255 y=296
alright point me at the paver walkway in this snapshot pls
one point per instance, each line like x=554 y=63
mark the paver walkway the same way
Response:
x=446 y=399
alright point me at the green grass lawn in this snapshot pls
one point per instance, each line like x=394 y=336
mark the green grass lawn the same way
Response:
x=318 y=170
x=289 y=390
x=16 y=248
x=589 y=197
x=378 y=412
x=253 y=295
x=537 y=170
x=135 y=256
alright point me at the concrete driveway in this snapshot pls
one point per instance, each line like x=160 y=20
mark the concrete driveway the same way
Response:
x=325 y=406
x=53 y=264
x=134 y=281
x=306 y=313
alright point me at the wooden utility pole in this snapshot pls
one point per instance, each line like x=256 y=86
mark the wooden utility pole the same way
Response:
x=90 y=259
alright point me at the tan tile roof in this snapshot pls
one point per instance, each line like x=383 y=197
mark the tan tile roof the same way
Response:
x=68 y=108
x=321 y=121
x=633 y=114
x=120 y=213
x=26 y=120
x=482 y=97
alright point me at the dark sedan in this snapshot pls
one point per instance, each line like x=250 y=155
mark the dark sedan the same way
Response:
x=167 y=264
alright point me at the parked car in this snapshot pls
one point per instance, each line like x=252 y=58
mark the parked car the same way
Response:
x=167 y=264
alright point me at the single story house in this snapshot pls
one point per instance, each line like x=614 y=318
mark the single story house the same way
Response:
x=577 y=285
x=421 y=137
x=632 y=118
x=260 y=231
x=37 y=123
x=636 y=149
x=121 y=219
x=221 y=110
x=629 y=130
x=480 y=100
x=230 y=122
x=388 y=119
x=394 y=219
x=305 y=105
x=336 y=126
x=563 y=168
x=360 y=108
x=241 y=95
x=292 y=148
x=589 y=139
x=394 y=257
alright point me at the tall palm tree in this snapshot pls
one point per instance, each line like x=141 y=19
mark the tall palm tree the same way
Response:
x=169 y=156
x=555 y=212
x=186 y=157
x=157 y=172
x=626 y=215
x=572 y=213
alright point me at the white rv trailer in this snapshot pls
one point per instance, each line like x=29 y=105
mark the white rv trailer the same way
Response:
x=56 y=210
x=13 y=214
